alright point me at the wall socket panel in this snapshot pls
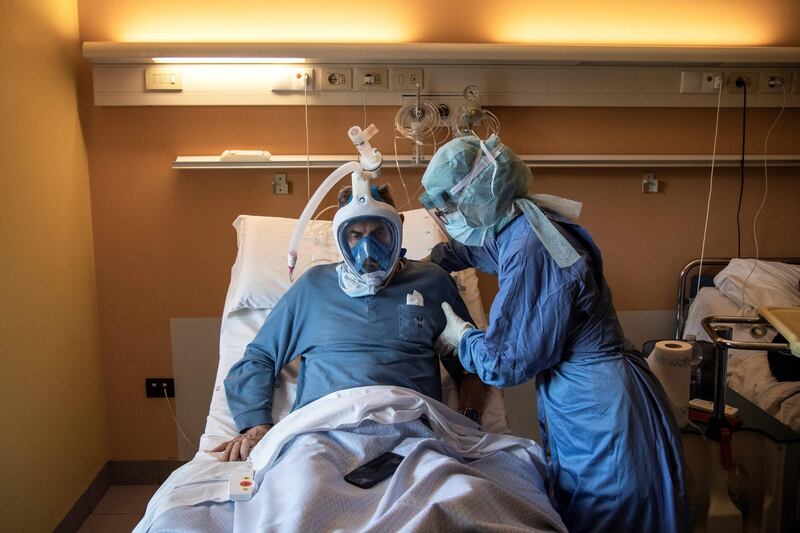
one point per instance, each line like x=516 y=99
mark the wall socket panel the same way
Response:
x=775 y=82
x=694 y=82
x=711 y=82
x=372 y=78
x=335 y=79
x=406 y=79
x=750 y=77
x=280 y=184
x=154 y=387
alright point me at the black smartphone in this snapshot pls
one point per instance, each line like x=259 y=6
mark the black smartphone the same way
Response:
x=371 y=473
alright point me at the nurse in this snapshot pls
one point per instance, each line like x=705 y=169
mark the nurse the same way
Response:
x=615 y=459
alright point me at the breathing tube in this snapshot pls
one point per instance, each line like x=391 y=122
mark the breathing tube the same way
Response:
x=369 y=162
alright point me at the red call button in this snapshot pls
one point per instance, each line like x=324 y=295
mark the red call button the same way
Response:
x=246 y=483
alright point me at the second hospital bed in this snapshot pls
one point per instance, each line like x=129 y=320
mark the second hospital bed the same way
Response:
x=772 y=283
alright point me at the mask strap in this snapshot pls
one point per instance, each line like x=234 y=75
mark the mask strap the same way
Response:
x=492 y=156
x=479 y=166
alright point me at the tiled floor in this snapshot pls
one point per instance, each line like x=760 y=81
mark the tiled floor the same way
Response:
x=120 y=509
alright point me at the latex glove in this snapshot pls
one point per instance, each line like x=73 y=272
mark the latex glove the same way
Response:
x=238 y=449
x=455 y=328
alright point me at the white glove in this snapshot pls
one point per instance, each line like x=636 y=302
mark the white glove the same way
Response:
x=455 y=328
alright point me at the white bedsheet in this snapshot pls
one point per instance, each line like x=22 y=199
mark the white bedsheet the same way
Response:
x=748 y=371
x=204 y=479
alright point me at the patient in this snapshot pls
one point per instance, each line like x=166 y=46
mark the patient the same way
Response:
x=370 y=320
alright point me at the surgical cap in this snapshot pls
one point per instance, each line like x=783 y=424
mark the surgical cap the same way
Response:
x=489 y=196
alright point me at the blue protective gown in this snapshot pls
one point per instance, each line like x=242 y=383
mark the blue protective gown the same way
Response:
x=615 y=458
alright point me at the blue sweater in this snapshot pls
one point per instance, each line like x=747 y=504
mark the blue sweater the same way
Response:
x=345 y=342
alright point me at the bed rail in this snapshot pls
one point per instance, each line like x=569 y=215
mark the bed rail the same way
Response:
x=713 y=261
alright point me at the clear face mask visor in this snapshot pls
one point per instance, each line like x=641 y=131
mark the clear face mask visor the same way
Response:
x=370 y=246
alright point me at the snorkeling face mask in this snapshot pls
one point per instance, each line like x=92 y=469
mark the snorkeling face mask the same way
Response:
x=369 y=234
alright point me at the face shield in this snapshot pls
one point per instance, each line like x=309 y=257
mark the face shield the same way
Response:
x=450 y=207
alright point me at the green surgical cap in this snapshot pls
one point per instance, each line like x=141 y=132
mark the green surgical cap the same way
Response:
x=489 y=196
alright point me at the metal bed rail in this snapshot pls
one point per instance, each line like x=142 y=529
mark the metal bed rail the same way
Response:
x=719 y=331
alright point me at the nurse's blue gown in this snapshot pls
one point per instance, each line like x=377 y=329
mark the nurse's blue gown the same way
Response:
x=615 y=458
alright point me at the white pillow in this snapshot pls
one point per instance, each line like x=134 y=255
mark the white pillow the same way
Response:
x=770 y=284
x=260 y=277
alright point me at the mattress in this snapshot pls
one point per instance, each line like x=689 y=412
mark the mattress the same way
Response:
x=748 y=370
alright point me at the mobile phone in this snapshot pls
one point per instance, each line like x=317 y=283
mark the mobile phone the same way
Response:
x=371 y=473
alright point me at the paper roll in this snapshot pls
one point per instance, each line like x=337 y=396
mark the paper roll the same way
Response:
x=671 y=362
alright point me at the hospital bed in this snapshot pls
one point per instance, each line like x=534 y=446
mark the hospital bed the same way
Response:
x=761 y=442
x=461 y=474
x=773 y=283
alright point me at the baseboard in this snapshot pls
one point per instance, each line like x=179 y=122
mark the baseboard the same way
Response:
x=142 y=472
x=114 y=473
x=87 y=501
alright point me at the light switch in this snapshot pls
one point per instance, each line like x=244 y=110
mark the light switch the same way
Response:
x=162 y=79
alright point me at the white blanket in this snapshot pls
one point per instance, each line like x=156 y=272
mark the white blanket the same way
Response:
x=301 y=461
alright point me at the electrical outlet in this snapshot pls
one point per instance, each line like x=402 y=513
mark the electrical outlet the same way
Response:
x=372 y=78
x=711 y=82
x=280 y=184
x=406 y=79
x=336 y=79
x=750 y=78
x=775 y=82
x=649 y=182
x=155 y=387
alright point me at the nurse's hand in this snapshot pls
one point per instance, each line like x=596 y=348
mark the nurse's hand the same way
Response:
x=455 y=328
x=239 y=448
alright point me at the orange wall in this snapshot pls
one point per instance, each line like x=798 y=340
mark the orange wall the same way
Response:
x=711 y=22
x=164 y=244
x=52 y=403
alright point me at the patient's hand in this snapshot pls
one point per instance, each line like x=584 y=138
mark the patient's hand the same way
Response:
x=239 y=448
x=472 y=394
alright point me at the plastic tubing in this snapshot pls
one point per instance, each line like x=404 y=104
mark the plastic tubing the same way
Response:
x=371 y=159
x=313 y=204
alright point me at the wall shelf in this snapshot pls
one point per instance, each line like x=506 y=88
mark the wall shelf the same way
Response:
x=534 y=161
